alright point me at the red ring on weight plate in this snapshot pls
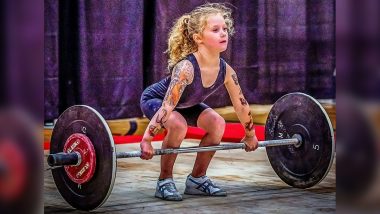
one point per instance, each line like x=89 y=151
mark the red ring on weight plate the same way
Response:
x=85 y=169
x=13 y=179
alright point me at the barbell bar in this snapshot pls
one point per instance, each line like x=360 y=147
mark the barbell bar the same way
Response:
x=74 y=158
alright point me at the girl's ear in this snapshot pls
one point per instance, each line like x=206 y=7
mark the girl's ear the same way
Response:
x=197 y=38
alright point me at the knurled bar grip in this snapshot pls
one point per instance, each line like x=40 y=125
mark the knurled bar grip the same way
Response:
x=225 y=146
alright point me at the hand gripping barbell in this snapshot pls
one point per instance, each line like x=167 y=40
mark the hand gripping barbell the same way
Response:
x=299 y=144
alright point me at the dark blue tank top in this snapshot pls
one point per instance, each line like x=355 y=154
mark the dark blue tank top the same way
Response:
x=194 y=93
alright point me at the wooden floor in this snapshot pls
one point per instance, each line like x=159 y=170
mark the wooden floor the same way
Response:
x=252 y=186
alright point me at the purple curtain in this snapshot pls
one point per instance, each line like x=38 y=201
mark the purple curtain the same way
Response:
x=104 y=53
x=51 y=59
x=296 y=48
x=93 y=56
x=110 y=56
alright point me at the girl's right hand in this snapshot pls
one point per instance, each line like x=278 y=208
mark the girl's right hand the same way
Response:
x=146 y=150
x=251 y=143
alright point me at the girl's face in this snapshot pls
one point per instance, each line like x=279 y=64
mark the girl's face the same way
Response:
x=215 y=34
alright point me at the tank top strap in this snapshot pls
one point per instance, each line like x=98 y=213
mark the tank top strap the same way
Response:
x=223 y=69
x=193 y=61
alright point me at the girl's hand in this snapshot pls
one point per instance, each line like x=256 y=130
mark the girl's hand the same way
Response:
x=251 y=143
x=146 y=150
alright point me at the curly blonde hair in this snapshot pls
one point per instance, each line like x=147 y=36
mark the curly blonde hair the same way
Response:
x=180 y=41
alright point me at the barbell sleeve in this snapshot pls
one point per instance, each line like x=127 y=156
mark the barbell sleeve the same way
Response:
x=63 y=159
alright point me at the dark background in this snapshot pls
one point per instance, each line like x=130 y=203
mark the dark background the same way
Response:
x=105 y=53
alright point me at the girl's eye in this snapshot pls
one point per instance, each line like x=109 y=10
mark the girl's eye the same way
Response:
x=215 y=30
x=225 y=29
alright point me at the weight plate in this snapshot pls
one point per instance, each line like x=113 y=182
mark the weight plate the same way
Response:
x=13 y=172
x=308 y=164
x=21 y=158
x=85 y=120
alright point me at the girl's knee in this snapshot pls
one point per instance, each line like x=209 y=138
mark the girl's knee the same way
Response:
x=217 y=125
x=215 y=129
x=176 y=124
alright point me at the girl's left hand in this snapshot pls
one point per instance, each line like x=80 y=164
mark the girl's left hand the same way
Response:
x=251 y=143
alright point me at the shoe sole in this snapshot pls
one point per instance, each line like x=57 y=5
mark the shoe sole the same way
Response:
x=167 y=199
x=200 y=193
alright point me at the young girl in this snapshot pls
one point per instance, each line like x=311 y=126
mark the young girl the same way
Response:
x=195 y=43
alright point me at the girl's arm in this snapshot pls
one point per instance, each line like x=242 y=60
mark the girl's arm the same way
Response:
x=241 y=107
x=240 y=104
x=182 y=75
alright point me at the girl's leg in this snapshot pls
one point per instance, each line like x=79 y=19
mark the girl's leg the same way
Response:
x=176 y=127
x=214 y=125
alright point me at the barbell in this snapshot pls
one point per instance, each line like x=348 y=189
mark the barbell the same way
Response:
x=299 y=141
x=20 y=163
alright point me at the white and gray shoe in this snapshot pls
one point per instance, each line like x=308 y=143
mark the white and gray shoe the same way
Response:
x=167 y=190
x=203 y=186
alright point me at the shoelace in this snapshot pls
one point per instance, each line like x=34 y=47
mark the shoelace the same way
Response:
x=170 y=187
x=210 y=181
